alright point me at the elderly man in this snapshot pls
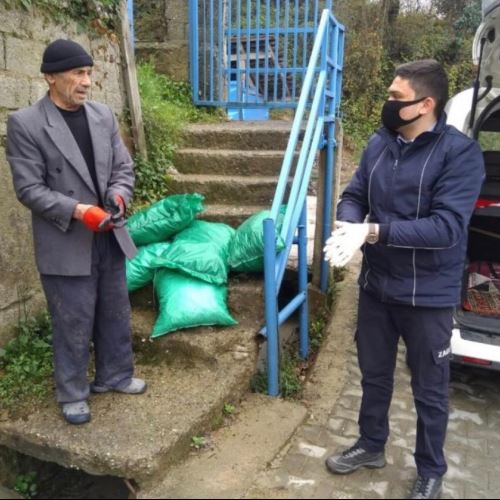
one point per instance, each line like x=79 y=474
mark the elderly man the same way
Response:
x=72 y=170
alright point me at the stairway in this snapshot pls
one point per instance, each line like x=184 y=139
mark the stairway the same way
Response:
x=235 y=165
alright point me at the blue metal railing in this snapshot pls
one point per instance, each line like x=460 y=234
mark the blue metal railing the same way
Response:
x=248 y=54
x=323 y=80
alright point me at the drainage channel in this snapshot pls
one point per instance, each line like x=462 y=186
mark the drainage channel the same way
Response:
x=33 y=478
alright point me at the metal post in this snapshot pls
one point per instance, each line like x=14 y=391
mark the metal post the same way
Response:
x=304 y=309
x=212 y=50
x=130 y=12
x=327 y=207
x=271 y=307
x=221 y=55
x=194 y=48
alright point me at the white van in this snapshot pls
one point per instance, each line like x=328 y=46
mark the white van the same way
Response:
x=476 y=112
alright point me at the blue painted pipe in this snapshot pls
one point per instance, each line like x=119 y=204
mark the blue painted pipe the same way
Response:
x=271 y=308
x=194 y=49
x=287 y=311
x=303 y=286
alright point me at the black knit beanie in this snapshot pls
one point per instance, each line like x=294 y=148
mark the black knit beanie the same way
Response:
x=63 y=55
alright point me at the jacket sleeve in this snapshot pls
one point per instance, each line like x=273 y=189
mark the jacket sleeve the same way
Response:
x=453 y=199
x=122 y=170
x=28 y=174
x=353 y=205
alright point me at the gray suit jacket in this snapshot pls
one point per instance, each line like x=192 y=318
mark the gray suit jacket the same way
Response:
x=50 y=177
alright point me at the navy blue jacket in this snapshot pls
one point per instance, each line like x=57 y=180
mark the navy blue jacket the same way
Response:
x=423 y=200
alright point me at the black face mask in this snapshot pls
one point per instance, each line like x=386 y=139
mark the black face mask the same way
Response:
x=391 y=117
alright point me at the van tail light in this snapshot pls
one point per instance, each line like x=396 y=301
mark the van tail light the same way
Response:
x=476 y=361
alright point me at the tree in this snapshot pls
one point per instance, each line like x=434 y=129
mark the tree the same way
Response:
x=452 y=10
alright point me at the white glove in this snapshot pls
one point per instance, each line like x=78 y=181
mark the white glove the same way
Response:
x=345 y=241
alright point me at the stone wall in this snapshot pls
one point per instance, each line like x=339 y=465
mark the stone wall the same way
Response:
x=23 y=37
x=162 y=35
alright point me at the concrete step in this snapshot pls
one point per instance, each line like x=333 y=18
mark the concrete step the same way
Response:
x=232 y=215
x=226 y=190
x=190 y=375
x=260 y=135
x=230 y=162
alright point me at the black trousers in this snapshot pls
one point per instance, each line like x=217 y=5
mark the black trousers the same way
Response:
x=427 y=334
x=91 y=308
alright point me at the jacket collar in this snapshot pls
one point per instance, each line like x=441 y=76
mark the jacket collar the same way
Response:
x=391 y=137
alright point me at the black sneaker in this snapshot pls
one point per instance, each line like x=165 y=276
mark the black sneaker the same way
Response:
x=427 y=488
x=353 y=459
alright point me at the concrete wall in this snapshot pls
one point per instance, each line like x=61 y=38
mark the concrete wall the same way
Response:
x=162 y=34
x=23 y=37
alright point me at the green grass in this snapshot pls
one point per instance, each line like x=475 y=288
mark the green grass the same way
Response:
x=290 y=382
x=26 y=365
x=167 y=109
x=198 y=442
x=228 y=410
x=317 y=333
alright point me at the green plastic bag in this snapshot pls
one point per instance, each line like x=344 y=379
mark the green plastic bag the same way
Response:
x=164 y=219
x=140 y=270
x=246 y=254
x=200 y=251
x=187 y=303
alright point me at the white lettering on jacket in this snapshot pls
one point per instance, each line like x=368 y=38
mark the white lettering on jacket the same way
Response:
x=443 y=354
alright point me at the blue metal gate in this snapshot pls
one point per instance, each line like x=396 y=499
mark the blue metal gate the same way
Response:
x=251 y=53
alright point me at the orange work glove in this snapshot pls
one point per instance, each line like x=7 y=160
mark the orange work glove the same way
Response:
x=95 y=219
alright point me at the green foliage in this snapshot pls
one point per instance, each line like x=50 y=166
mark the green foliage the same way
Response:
x=198 y=442
x=291 y=385
x=26 y=364
x=258 y=383
x=317 y=333
x=381 y=34
x=101 y=15
x=290 y=380
x=26 y=485
x=151 y=183
x=228 y=409
x=166 y=108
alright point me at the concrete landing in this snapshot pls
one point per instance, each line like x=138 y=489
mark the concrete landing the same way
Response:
x=242 y=450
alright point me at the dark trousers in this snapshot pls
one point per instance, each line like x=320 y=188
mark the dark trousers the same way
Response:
x=427 y=334
x=87 y=308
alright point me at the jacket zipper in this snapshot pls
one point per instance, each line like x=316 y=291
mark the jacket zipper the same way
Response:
x=390 y=200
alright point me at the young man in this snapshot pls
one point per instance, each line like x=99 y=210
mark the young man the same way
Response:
x=72 y=170
x=408 y=206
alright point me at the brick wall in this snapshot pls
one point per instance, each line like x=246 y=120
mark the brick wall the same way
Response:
x=162 y=34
